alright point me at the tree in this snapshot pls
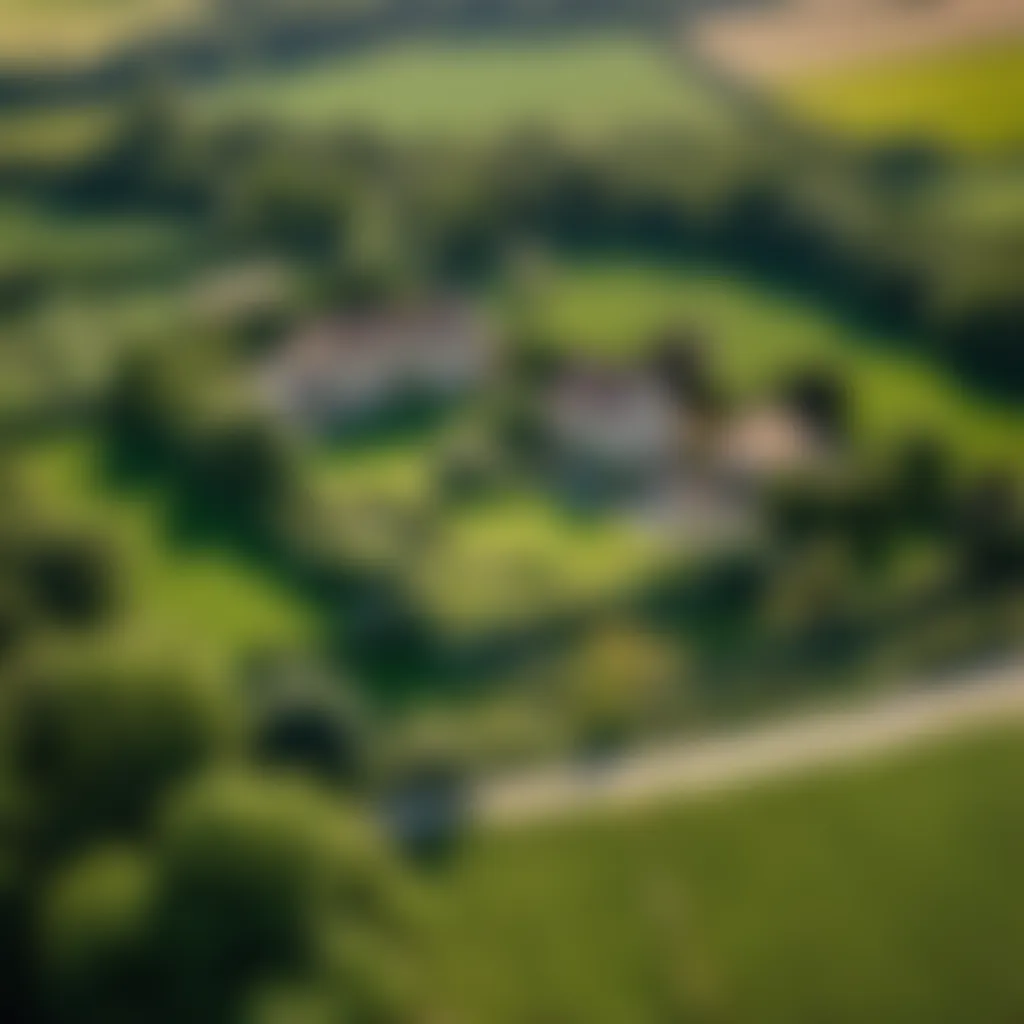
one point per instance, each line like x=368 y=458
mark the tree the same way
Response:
x=242 y=467
x=150 y=872
x=309 y=720
x=94 y=947
x=680 y=358
x=147 y=407
x=92 y=742
x=990 y=531
x=98 y=738
x=800 y=511
x=257 y=895
x=866 y=519
x=72 y=578
x=263 y=883
x=618 y=679
x=821 y=397
x=923 y=481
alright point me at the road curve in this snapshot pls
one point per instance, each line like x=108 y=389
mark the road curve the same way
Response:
x=744 y=758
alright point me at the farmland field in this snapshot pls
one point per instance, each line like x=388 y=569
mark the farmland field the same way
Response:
x=756 y=332
x=81 y=31
x=969 y=99
x=888 y=892
x=588 y=85
x=773 y=42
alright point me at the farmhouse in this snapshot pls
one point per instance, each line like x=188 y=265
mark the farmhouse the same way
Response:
x=616 y=427
x=350 y=370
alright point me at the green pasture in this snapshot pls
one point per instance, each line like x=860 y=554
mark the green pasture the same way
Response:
x=885 y=893
x=756 y=333
x=969 y=99
x=586 y=85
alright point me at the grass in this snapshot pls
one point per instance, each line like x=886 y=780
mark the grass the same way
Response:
x=969 y=99
x=203 y=595
x=987 y=204
x=758 y=332
x=523 y=561
x=886 y=893
x=53 y=137
x=77 y=247
x=587 y=84
x=520 y=557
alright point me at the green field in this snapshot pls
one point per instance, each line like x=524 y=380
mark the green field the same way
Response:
x=583 y=85
x=889 y=893
x=970 y=99
x=756 y=333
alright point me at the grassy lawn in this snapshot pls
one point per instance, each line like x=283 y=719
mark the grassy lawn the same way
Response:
x=520 y=557
x=588 y=84
x=887 y=893
x=202 y=595
x=524 y=560
x=970 y=99
x=757 y=332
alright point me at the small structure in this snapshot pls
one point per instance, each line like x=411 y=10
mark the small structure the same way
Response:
x=614 y=429
x=763 y=445
x=351 y=370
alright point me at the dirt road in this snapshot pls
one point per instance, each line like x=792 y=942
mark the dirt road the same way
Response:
x=745 y=758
